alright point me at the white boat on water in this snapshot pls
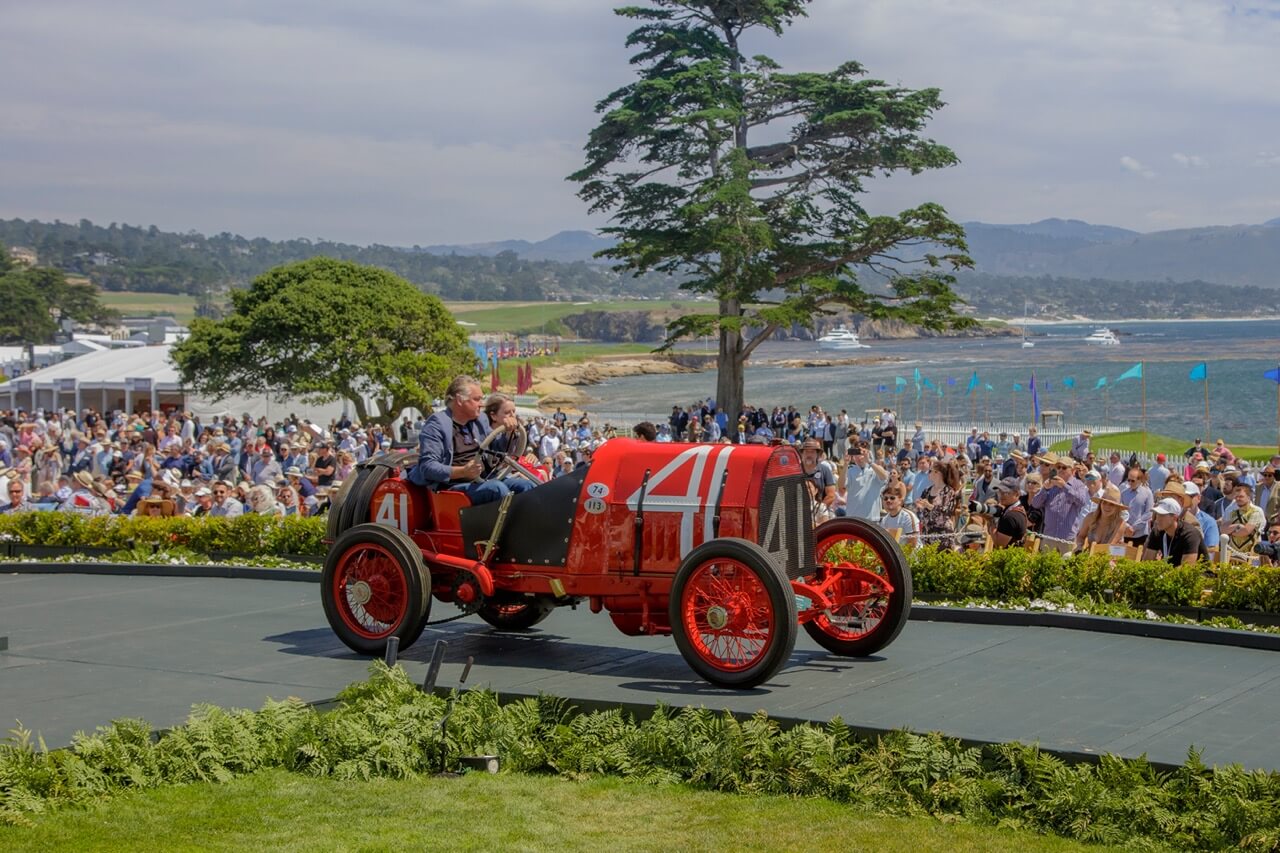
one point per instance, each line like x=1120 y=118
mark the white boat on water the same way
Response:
x=841 y=337
x=1026 y=344
x=1104 y=337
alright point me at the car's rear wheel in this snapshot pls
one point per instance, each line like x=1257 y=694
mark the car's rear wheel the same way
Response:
x=374 y=587
x=876 y=605
x=733 y=614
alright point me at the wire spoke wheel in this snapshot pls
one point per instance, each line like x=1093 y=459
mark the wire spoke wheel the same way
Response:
x=375 y=587
x=869 y=614
x=371 y=591
x=727 y=608
x=732 y=613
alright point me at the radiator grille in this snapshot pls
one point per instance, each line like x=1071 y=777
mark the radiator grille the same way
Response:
x=786 y=525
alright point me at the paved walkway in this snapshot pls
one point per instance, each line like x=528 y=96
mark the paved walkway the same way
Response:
x=85 y=649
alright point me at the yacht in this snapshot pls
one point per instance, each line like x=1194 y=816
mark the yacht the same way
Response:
x=1103 y=336
x=1026 y=344
x=841 y=337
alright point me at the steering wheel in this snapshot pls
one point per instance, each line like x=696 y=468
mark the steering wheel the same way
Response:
x=507 y=463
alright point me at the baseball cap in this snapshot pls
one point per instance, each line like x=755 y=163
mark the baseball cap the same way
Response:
x=1008 y=484
x=1160 y=457
x=1168 y=506
x=1191 y=489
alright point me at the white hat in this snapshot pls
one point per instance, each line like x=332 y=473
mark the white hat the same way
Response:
x=1168 y=506
x=1191 y=489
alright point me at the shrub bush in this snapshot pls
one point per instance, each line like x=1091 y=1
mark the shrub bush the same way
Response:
x=1014 y=573
x=249 y=534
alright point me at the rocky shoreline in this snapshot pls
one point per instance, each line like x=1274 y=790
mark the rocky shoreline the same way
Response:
x=561 y=385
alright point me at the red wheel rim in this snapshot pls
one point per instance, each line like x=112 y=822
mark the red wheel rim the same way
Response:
x=370 y=591
x=862 y=616
x=727 y=615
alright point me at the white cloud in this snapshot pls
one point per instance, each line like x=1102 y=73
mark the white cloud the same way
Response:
x=457 y=120
x=1135 y=166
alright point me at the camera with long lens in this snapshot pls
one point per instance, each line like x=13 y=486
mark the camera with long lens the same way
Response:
x=1268 y=549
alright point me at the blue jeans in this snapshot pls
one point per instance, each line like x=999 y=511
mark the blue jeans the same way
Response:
x=487 y=491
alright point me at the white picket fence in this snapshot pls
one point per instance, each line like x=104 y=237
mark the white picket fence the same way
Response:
x=955 y=433
x=948 y=432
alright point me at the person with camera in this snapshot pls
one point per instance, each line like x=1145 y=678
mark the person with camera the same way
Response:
x=1012 y=522
x=821 y=474
x=864 y=480
x=1244 y=522
x=1269 y=549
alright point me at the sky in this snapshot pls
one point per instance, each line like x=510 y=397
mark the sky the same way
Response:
x=455 y=121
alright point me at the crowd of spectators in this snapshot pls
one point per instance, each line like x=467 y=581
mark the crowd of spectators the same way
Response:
x=1000 y=489
x=171 y=463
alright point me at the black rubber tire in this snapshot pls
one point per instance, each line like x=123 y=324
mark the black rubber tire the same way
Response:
x=411 y=620
x=516 y=615
x=355 y=507
x=782 y=602
x=897 y=611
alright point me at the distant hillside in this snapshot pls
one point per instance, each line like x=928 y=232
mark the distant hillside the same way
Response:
x=1246 y=255
x=565 y=247
x=132 y=258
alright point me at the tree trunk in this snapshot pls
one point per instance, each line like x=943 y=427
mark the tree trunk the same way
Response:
x=729 y=370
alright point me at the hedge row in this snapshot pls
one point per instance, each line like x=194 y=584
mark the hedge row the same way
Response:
x=387 y=727
x=1008 y=573
x=248 y=534
x=1002 y=574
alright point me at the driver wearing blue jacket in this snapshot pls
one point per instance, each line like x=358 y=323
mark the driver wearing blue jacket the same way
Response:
x=449 y=447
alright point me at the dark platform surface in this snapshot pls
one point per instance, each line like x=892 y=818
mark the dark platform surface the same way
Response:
x=85 y=649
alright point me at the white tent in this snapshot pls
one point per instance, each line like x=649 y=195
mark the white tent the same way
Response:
x=141 y=378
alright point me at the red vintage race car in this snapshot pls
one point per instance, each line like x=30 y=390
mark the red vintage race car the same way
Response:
x=713 y=543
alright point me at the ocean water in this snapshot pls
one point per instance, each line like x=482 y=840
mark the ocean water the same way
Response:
x=1242 y=402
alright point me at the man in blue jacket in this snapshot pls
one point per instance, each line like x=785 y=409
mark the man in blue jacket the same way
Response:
x=449 y=447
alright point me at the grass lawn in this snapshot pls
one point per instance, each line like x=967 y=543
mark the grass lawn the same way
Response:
x=543 y=317
x=1131 y=442
x=182 y=307
x=282 y=811
x=570 y=353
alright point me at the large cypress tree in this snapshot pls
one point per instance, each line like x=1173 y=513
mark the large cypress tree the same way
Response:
x=749 y=180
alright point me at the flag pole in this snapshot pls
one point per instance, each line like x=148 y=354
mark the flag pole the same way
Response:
x=1207 y=430
x=1144 y=408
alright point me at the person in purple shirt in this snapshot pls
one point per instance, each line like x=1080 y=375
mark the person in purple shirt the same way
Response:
x=1061 y=499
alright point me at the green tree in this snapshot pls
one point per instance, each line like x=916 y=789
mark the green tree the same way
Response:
x=29 y=297
x=774 y=229
x=324 y=329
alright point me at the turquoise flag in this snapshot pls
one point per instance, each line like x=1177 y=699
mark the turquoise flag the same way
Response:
x=926 y=383
x=899 y=382
x=1069 y=382
x=973 y=383
x=1134 y=372
x=917 y=376
x=1102 y=381
x=1199 y=372
x=989 y=386
x=1017 y=386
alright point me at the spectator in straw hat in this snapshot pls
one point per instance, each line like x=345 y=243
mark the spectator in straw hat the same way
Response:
x=1061 y=500
x=1106 y=525
x=1080 y=445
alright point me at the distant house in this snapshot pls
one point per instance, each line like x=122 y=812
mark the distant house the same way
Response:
x=24 y=255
